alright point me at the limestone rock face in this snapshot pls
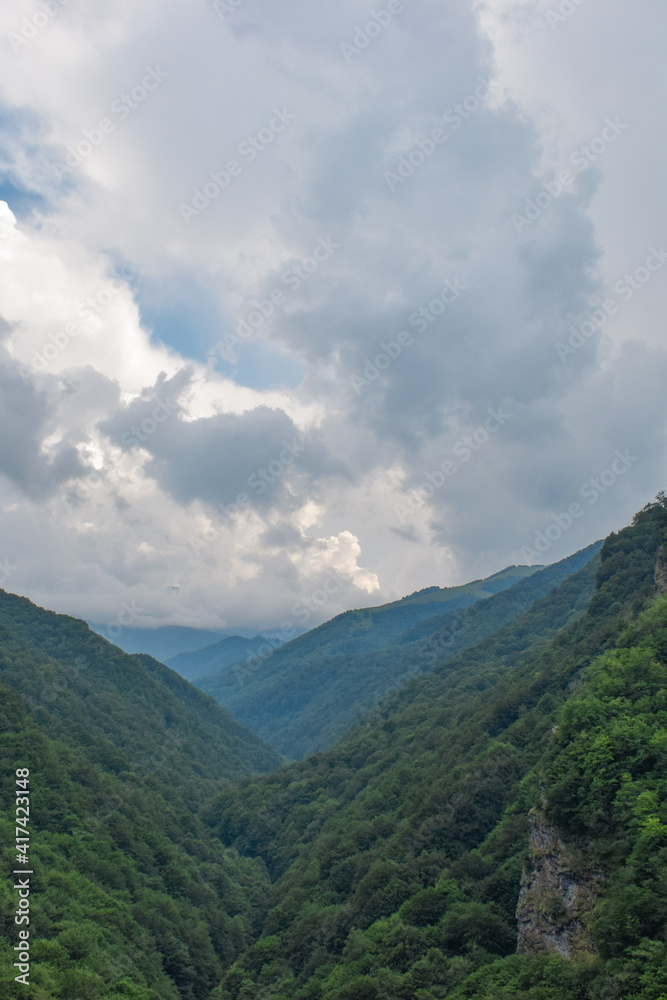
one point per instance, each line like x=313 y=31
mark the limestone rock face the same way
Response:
x=557 y=897
x=661 y=572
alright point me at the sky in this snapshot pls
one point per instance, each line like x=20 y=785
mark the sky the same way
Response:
x=306 y=307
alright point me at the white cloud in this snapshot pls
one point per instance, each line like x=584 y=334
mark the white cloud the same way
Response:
x=116 y=495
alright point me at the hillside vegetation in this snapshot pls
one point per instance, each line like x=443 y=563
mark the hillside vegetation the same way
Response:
x=303 y=697
x=510 y=795
x=131 y=897
x=79 y=686
x=397 y=856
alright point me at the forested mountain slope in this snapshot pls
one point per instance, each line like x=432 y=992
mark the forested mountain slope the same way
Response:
x=130 y=896
x=397 y=856
x=215 y=657
x=303 y=697
x=368 y=629
x=79 y=685
x=526 y=772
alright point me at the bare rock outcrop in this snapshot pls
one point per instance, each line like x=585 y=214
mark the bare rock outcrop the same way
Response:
x=661 y=572
x=557 y=897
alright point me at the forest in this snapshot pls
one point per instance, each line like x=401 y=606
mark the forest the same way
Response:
x=494 y=825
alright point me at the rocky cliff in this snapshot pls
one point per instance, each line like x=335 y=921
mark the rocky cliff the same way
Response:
x=661 y=572
x=557 y=897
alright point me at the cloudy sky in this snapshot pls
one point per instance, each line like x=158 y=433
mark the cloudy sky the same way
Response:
x=295 y=293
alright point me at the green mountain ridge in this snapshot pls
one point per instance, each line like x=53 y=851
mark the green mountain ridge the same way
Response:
x=71 y=677
x=304 y=696
x=215 y=657
x=517 y=783
x=397 y=856
x=130 y=895
x=369 y=628
x=365 y=629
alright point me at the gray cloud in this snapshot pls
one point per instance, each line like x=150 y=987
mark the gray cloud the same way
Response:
x=26 y=418
x=371 y=432
x=260 y=454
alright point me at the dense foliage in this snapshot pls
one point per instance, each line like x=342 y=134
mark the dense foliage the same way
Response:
x=304 y=696
x=396 y=858
x=385 y=868
x=131 y=897
x=82 y=688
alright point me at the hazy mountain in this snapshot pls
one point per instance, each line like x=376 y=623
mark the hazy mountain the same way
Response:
x=216 y=657
x=162 y=643
x=303 y=697
x=515 y=796
x=494 y=828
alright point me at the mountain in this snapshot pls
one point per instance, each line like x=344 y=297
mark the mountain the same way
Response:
x=215 y=657
x=161 y=643
x=304 y=696
x=495 y=829
x=370 y=628
x=75 y=682
x=130 y=895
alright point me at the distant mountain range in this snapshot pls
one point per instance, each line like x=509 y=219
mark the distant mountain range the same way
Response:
x=382 y=623
x=215 y=657
x=495 y=826
x=302 y=697
x=161 y=643
x=495 y=829
x=197 y=653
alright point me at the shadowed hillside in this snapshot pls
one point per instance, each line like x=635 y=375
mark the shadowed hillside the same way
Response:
x=305 y=695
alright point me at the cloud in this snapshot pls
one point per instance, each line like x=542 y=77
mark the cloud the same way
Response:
x=32 y=459
x=259 y=455
x=209 y=415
